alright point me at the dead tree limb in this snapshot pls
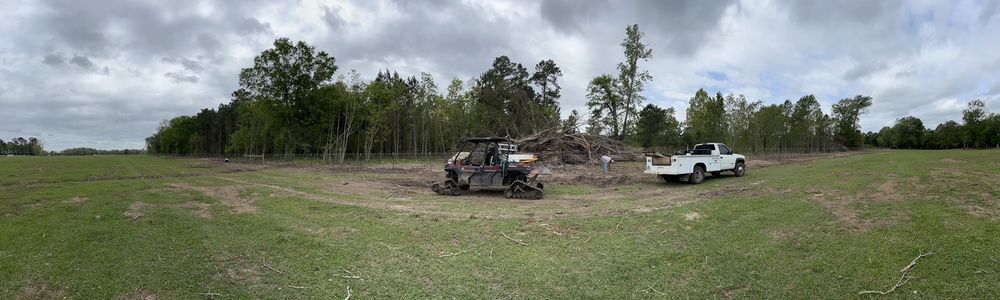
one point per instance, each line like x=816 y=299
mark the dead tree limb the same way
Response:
x=902 y=278
x=351 y=275
x=449 y=254
x=512 y=239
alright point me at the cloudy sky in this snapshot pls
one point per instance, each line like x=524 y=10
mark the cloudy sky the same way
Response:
x=104 y=74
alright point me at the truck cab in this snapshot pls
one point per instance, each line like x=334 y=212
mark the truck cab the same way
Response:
x=691 y=165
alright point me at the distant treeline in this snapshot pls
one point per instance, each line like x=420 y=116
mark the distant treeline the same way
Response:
x=92 y=151
x=291 y=102
x=21 y=146
x=978 y=130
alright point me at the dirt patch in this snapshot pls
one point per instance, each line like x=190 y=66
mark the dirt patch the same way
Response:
x=137 y=210
x=77 y=199
x=231 y=196
x=42 y=291
x=840 y=207
x=692 y=216
x=888 y=191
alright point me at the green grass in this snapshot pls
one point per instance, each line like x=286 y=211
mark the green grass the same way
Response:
x=828 y=228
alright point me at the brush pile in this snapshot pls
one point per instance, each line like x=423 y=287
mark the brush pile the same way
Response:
x=558 y=147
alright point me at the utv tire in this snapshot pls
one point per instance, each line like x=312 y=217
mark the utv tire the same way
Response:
x=698 y=176
x=453 y=188
x=740 y=169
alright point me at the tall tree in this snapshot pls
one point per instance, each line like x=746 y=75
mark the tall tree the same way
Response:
x=506 y=103
x=741 y=126
x=972 y=116
x=847 y=113
x=706 y=117
x=285 y=77
x=546 y=77
x=632 y=79
x=606 y=105
x=908 y=133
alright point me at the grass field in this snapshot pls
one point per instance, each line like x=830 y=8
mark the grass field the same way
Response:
x=141 y=227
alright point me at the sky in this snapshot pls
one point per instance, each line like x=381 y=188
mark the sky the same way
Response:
x=105 y=74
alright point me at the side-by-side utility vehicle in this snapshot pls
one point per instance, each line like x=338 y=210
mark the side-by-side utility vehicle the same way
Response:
x=491 y=163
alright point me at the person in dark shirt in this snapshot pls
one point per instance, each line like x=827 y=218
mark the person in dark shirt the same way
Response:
x=491 y=155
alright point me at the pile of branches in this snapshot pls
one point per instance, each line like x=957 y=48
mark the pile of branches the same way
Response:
x=558 y=147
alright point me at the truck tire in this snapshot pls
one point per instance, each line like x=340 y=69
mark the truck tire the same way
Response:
x=698 y=176
x=740 y=169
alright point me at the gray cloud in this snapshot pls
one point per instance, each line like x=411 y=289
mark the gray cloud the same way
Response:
x=181 y=77
x=82 y=61
x=54 y=60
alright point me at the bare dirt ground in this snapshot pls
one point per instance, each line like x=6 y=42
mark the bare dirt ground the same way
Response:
x=571 y=190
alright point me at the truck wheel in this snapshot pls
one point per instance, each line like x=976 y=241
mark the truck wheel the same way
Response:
x=740 y=170
x=698 y=176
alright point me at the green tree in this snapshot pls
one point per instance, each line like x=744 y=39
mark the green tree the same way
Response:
x=285 y=77
x=908 y=133
x=657 y=127
x=847 y=113
x=572 y=123
x=706 y=117
x=631 y=78
x=741 y=126
x=505 y=102
x=607 y=107
x=972 y=117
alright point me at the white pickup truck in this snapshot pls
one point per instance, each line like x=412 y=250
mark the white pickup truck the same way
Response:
x=692 y=165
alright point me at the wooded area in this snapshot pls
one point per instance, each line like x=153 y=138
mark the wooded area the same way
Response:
x=292 y=102
x=978 y=130
x=21 y=146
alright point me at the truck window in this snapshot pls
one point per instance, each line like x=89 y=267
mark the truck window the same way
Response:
x=708 y=147
x=724 y=150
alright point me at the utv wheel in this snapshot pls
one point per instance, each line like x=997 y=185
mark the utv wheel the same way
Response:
x=740 y=170
x=508 y=193
x=453 y=188
x=698 y=176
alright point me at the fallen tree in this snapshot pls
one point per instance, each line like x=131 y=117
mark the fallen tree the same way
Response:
x=559 y=147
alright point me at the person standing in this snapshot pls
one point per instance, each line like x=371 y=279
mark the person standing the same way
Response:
x=605 y=163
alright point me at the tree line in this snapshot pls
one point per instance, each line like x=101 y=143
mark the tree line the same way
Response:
x=293 y=101
x=752 y=127
x=22 y=146
x=289 y=102
x=91 y=151
x=978 y=130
